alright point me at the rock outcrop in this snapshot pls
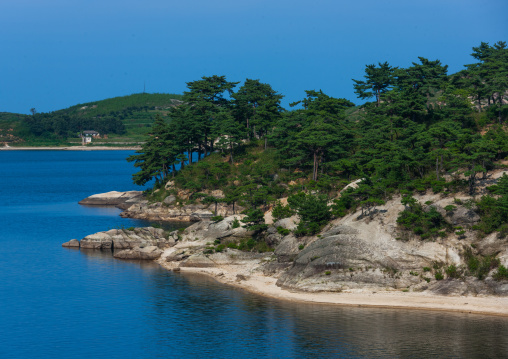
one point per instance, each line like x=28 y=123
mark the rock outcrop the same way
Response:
x=113 y=198
x=168 y=210
x=139 y=243
x=149 y=253
x=73 y=243
x=356 y=252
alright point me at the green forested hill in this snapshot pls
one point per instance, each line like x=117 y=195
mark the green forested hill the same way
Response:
x=123 y=119
x=425 y=130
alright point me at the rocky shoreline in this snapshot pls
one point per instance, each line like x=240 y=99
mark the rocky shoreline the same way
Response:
x=171 y=209
x=355 y=260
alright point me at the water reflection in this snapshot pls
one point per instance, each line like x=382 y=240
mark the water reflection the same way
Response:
x=192 y=315
x=256 y=326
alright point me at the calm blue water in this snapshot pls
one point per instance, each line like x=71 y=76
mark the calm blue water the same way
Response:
x=63 y=303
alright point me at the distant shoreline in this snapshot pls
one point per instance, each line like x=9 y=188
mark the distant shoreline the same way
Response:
x=70 y=148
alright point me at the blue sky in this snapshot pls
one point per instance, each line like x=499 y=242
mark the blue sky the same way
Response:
x=58 y=53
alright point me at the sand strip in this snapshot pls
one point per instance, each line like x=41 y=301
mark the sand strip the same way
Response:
x=262 y=285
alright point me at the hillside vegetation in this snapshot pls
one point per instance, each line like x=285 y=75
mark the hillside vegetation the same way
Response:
x=122 y=119
x=426 y=131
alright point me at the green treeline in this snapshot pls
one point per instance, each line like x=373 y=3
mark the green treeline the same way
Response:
x=110 y=116
x=424 y=130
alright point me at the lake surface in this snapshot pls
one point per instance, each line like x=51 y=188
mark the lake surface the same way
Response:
x=65 y=303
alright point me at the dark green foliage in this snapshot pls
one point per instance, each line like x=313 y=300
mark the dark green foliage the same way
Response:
x=452 y=271
x=450 y=208
x=421 y=135
x=283 y=231
x=252 y=245
x=378 y=81
x=132 y=114
x=479 y=266
x=156 y=156
x=494 y=211
x=235 y=224
x=313 y=211
x=342 y=205
x=219 y=248
x=424 y=223
x=279 y=211
x=255 y=220
x=439 y=275
x=502 y=273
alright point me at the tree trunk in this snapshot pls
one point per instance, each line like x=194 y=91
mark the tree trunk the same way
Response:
x=315 y=165
x=500 y=105
x=437 y=168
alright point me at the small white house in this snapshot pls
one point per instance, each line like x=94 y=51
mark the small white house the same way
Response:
x=86 y=136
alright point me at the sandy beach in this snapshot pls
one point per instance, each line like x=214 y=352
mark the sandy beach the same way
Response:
x=69 y=148
x=259 y=284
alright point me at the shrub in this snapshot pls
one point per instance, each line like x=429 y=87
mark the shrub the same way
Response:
x=255 y=220
x=426 y=269
x=503 y=231
x=279 y=211
x=216 y=219
x=301 y=246
x=313 y=211
x=439 y=275
x=328 y=272
x=283 y=231
x=502 y=273
x=426 y=224
x=232 y=245
x=479 y=266
x=460 y=233
x=236 y=223
x=450 y=208
x=220 y=248
x=452 y=272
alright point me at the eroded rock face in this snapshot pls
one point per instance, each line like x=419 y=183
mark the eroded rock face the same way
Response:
x=209 y=231
x=149 y=253
x=119 y=239
x=172 y=212
x=354 y=260
x=460 y=216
